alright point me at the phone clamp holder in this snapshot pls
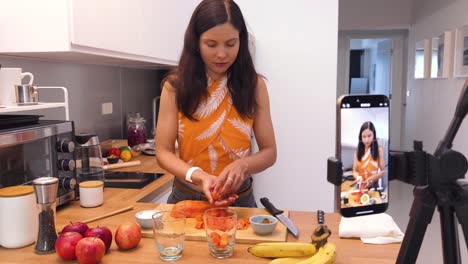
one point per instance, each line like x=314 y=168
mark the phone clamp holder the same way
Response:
x=334 y=171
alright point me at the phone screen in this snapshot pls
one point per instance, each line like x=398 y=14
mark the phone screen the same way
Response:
x=363 y=128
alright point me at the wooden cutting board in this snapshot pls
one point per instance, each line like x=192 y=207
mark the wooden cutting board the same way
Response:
x=247 y=236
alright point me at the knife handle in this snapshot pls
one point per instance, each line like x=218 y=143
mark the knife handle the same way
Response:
x=270 y=207
x=320 y=217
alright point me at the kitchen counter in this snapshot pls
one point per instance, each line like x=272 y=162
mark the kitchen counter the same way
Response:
x=349 y=250
x=149 y=164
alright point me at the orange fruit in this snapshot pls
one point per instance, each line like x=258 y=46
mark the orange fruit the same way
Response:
x=126 y=155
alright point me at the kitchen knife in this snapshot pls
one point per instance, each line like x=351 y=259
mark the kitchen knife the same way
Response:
x=322 y=232
x=280 y=215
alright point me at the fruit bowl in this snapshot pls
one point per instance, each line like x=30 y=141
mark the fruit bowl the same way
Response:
x=263 y=224
x=112 y=160
x=145 y=218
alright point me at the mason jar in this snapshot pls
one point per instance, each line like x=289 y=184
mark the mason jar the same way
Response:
x=136 y=129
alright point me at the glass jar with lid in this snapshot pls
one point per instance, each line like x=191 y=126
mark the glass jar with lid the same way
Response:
x=136 y=129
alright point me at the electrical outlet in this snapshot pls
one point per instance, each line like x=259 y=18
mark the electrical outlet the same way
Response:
x=106 y=108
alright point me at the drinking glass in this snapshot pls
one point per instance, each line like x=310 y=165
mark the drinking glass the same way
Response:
x=220 y=227
x=169 y=234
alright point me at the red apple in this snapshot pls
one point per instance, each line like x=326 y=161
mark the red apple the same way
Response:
x=102 y=232
x=90 y=250
x=66 y=243
x=76 y=227
x=128 y=235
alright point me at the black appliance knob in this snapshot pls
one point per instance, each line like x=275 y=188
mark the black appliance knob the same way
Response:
x=66 y=164
x=65 y=145
x=68 y=183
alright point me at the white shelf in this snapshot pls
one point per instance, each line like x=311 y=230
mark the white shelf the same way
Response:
x=9 y=109
x=64 y=104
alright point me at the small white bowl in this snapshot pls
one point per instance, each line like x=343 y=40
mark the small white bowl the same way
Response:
x=263 y=229
x=145 y=218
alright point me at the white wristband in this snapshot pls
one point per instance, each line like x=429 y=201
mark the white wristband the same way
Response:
x=188 y=175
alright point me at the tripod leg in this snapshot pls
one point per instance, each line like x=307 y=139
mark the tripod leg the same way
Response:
x=421 y=214
x=450 y=245
x=461 y=207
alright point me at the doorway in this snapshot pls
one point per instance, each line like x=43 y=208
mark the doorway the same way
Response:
x=370 y=66
x=372 y=63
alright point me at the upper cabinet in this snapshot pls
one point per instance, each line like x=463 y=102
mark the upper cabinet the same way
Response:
x=139 y=33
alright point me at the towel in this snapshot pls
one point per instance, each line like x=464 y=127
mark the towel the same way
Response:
x=372 y=229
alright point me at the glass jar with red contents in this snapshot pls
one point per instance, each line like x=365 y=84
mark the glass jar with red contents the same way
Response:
x=136 y=129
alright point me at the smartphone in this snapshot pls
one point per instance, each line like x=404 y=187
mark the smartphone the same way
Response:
x=362 y=146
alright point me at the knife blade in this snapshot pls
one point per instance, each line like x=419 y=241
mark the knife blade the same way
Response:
x=280 y=215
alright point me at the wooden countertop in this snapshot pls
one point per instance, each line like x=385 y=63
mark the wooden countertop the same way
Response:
x=349 y=250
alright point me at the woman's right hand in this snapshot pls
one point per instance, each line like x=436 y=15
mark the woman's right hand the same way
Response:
x=207 y=182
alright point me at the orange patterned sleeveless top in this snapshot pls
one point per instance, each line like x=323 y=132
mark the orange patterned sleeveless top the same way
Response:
x=367 y=165
x=220 y=136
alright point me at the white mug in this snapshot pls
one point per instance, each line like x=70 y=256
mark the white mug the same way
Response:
x=9 y=77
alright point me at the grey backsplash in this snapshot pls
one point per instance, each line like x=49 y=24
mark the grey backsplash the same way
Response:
x=89 y=86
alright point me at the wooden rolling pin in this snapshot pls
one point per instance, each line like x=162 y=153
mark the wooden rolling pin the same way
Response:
x=116 y=212
x=121 y=165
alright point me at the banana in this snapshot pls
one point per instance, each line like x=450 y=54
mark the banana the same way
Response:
x=325 y=255
x=282 y=249
x=288 y=260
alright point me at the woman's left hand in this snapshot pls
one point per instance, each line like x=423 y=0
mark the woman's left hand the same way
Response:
x=231 y=178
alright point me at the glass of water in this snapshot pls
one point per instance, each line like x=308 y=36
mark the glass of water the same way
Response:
x=220 y=227
x=169 y=234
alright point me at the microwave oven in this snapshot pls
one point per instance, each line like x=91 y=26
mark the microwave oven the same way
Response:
x=44 y=149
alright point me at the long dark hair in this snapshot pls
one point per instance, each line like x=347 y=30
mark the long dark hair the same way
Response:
x=189 y=79
x=374 y=147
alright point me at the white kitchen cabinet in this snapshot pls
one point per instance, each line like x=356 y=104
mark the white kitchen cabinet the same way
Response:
x=140 y=33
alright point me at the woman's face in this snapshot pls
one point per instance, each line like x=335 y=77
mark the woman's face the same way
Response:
x=367 y=137
x=219 y=47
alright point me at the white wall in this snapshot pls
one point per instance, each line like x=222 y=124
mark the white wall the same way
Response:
x=374 y=14
x=301 y=73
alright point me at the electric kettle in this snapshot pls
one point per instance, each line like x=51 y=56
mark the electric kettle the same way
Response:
x=88 y=158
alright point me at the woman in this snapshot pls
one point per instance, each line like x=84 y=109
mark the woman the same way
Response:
x=369 y=160
x=210 y=104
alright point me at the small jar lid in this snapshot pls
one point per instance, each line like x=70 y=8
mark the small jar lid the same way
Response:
x=16 y=191
x=91 y=184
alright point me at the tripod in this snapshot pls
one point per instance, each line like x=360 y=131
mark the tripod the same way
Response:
x=445 y=188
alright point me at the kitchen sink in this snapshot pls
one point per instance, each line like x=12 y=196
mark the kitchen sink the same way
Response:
x=129 y=180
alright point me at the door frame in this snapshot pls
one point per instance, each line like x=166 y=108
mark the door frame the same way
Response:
x=398 y=71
